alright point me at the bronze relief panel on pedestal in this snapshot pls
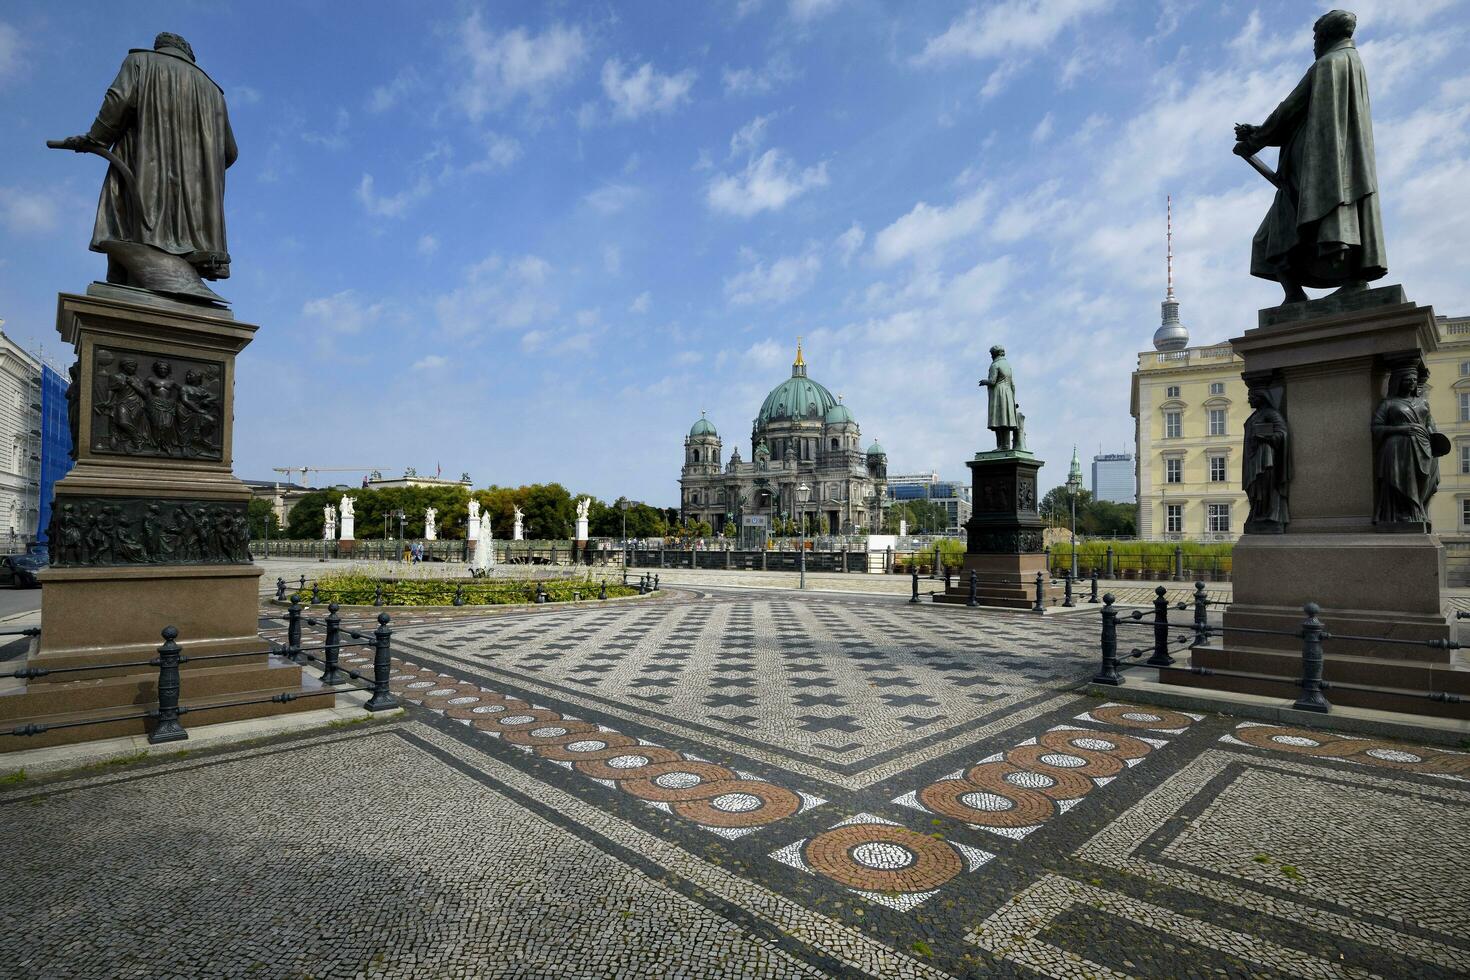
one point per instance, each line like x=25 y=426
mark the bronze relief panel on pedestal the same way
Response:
x=92 y=531
x=157 y=405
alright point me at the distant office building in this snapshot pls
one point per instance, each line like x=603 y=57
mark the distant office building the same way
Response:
x=1112 y=478
x=55 y=443
x=954 y=496
x=35 y=443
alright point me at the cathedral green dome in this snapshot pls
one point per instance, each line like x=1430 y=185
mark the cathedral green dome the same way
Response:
x=838 y=415
x=703 y=428
x=876 y=450
x=797 y=398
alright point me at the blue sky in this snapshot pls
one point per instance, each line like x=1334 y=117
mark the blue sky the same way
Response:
x=534 y=240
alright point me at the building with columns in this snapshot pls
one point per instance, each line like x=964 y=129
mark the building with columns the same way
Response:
x=802 y=437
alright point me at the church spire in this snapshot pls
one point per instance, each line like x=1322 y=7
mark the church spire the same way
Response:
x=1171 y=335
x=798 y=366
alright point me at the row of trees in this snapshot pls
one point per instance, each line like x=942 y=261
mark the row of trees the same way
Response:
x=549 y=512
x=1094 y=517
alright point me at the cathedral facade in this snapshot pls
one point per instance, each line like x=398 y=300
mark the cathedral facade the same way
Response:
x=806 y=464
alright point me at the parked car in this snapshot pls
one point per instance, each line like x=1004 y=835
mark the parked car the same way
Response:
x=22 y=571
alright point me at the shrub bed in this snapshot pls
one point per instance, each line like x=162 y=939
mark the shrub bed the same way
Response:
x=362 y=590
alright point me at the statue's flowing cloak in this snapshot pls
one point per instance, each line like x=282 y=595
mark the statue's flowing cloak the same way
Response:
x=1002 y=395
x=166 y=119
x=1328 y=198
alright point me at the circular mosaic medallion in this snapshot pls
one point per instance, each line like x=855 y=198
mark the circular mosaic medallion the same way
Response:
x=1296 y=741
x=1142 y=717
x=736 y=802
x=1063 y=761
x=516 y=719
x=550 y=731
x=586 y=745
x=1031 y=780
x=1129 y=716
x=1395 y=755
x=988 y=802
x=927 y=863
x=488 y=709
x=1095 y=744
x=629 y=761
x=420 y=685
x=467 y=699
x=677 y=780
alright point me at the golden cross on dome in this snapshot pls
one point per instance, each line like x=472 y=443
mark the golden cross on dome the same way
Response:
x=798 y=352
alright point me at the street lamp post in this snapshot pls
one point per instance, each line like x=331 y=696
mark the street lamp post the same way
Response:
x=1074 y=487
x=803 y=494
x=625 y=505
x=400 y=515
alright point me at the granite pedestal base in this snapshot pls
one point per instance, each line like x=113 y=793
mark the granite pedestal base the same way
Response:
x=1004 y=545
x=1330 y=361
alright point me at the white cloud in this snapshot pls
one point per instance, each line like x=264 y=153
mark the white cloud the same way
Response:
x=926 y=227
x=24 y=211
x=499 y=295
x=808 y=10
x=748 y=138
x=612 y=259
x=777 y=71
x=239 y=94
x=430 y=362
x=1043 y=129
x=641 y=302
x=428 y=245
x=392 y=205
x=643 y=90
x=385 y=97
x=850 y=241
x=768 y=183
x=611 y=198
x=337 y=138
x=500 y=152
x=1008 y=28
x=780 y=282
x=12 y=51
x=515 y=64
x=342 y=312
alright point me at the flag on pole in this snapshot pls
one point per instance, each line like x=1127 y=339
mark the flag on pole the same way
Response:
x=438 y=471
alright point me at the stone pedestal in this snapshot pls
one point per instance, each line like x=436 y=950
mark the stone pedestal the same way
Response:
x=149 y=528
x=1331 y=360
x=1004 y=534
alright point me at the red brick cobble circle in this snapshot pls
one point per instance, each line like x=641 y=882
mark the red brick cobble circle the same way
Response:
x=1027 y=806
x=1153 y=719
x=570 y=731
x=1369 y=751
x=737 y=803
x=600 y=764
x=930 y=862
x=668 y=782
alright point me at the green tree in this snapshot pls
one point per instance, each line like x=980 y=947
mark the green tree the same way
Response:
x=1056 y=506
x=306 y=519
x=262 y=517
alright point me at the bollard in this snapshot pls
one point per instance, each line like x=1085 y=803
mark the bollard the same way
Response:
x=458 y=595
x=1092 y=599
x=728 y=553
x=301 y=586
x=1313 y=633
x=1067 y=602
x=315 y=594
x=625 y=574
x=378 y=595
x=382 y=699
x=1178 y=563
x=888 y=560
x=1040 y=605
x=280 y=589
x=915 y=598
x=661 y=556
x=1109 y=672
x=603 y=594
x=293 y=629
x=946 y=578
x=934 y=569
x=169 y=657
x=1201 y=611
x=332 y=648
x=974 y=592
x=1161 y=656
x=655 y=583
x=1110 y=562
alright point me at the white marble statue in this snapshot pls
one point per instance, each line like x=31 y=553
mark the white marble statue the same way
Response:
x=583 y=506
x=517 y=533
x=348 y=528
x=431 y=533
x=329 y=523
x=483 y=562
x=474 y=529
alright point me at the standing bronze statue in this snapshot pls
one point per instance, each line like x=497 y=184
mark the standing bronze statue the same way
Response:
x=165 y=132
x=1001 y=416
x=1266 y=471
x=1405 y=447
x=1324 y=228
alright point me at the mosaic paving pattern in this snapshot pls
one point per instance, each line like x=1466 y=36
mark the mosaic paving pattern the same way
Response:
x=1346 y=748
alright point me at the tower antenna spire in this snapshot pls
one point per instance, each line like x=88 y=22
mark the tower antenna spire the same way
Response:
x=1169 y=210
x=1171 y=335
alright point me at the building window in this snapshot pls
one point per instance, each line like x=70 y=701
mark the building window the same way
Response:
x=1174 y=518
x=1217 y=387
x=1219 y=519
x=1217 y=421
x=1173 y=471
x=1217 y=469
x=1465 y=512
x=1465 y=457
x=1171 y=392
x=1465 y=406
x=1174 y=422
x=1464 y=369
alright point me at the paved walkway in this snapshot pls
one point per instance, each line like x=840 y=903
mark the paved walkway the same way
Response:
x=750 y=784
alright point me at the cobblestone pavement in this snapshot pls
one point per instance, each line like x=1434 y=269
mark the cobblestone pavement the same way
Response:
x=751 y=784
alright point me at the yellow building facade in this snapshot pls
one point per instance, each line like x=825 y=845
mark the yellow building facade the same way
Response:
x=1189 y=409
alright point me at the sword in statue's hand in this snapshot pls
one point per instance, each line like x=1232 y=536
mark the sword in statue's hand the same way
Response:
x=1244 y=151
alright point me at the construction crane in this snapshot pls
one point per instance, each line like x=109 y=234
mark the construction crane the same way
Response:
x=303 y=470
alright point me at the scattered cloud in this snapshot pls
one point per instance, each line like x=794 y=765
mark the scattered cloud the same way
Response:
x=1043 y=129
x=612 y=259
x=500 y=152
x=611 y=198
x=1007 y=29
x=336 y=139
x=384 y=97
x=777 y=71
x=641 y=302
x=804 y=11
x=239 y=94
x=768 y=183
x=516 y=64
x=27 y=211
x=643 y=90
x=12 y=52
x=430 y=362
x=499 y=295
x=342 y=312
x=428 y=245
x=391 y=205
x=925 y=228
x=780 y=282
x=850 y=241
x=748 y=138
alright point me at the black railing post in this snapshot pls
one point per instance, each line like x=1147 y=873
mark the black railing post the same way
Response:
x=301 y=586
x=378 y=595
x=1179 y=563
x=293 y=629
x=280 y=589
x=934 y=570
x=315 y=594
x=1201 y=615
x=888 y=559
x=946 y=578
x=1092 y=599
x=602 y=593
x=459 y=594
x=168 y=728
x=1040 y=604
x=1109 y=672
x=1313 y=633
x=382 y=698
x=974 y=589
x=915 y=571
x=1067 y=602
x=655 y=582
x=1161 y=656
x=332 y=648
x=1110 y=562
